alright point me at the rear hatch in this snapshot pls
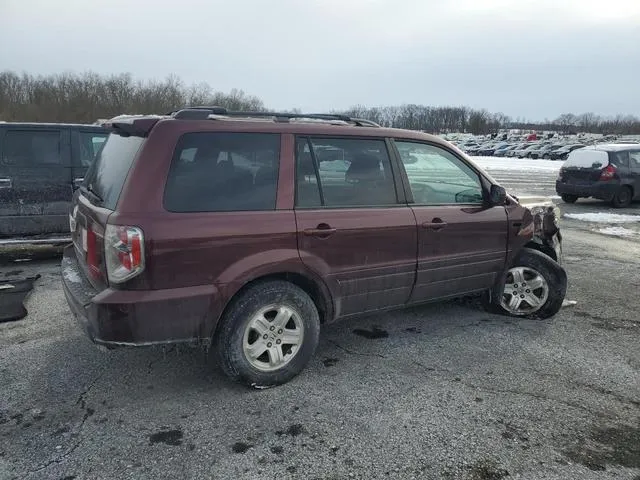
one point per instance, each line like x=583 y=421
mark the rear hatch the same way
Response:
x=96 y=199
x=584 y=166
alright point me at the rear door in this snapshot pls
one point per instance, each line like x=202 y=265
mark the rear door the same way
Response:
x=462 y=243
x=35 y=181
x=353 y=229
x=85 y=145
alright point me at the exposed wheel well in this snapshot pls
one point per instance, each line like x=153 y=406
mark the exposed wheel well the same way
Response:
x=550 y=252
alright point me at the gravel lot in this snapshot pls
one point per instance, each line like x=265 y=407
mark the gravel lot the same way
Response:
x=443 y=391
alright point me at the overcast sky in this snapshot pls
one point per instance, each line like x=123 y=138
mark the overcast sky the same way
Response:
x=533 y=59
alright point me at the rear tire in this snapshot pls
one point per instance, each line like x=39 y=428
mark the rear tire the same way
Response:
x=268 y=334
x=566 y=198
x=541 y=280
x=622 y=197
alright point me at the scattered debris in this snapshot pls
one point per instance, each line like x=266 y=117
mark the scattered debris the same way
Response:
x=12 y=295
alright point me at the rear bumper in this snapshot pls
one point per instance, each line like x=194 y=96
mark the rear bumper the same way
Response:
x=134 y=317
x=600 y=190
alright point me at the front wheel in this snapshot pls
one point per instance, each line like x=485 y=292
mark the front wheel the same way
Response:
x=268 y=334
x=566 y=198
x=534 y=287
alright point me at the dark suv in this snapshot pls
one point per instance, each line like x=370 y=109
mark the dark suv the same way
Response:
x=608 y=172
x=249 y=230
x=40 y=166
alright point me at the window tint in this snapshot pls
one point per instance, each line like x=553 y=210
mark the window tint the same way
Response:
x=619 y=159
x=220 y=172
x=351 y=172
x=437 y=176
x=108 y=172
x=634 y=161
x=90 y=144
x=28 y=148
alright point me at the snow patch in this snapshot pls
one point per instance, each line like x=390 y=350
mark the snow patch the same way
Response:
x=71 y=275
x=517 y=164
x=601 y=217
x=617 y=231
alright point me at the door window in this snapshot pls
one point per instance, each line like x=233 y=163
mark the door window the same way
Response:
x=334 y=173
x=634 y=161
x=437 y=177
x=24 y=148
x=222 y=172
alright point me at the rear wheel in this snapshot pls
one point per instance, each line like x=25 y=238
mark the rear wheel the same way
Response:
x=622 y=198
x=566 y=198
x=268 y=334
x=534 y=287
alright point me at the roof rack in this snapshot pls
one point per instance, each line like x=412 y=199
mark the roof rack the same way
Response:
x=203 y=113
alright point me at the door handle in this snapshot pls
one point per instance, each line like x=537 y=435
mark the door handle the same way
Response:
x=435 y=224
x=5 y=183
x=323 y=230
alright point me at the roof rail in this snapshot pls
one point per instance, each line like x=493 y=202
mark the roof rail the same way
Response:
x=203 y=113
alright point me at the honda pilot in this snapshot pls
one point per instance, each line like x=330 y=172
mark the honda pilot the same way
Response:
x=248 y=230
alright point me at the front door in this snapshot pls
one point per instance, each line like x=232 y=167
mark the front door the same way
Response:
x=35 y=181
x=353 y=229
x=462 y=243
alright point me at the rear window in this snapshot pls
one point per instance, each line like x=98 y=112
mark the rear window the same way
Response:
x=223 y=172
x=107 y=174
x=587 y=158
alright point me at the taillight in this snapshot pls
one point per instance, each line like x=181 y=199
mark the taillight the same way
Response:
x=124 y=252
x=608 y=172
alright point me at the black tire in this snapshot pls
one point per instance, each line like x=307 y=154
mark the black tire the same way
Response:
x=229 y=335
x=566 y=198
x=552 y=272
x=623 y=197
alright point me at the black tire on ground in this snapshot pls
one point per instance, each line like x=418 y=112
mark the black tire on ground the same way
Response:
x=566 y=198
x=622 y=197
x=229 y=336
x=553 y=273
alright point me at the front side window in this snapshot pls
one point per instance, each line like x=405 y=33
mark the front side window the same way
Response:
x=437 y=177
x=338 y=172
x=90 y=144
x=30 y=148
x=223 y=172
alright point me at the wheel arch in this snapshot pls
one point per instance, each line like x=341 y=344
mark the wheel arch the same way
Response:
x=312 y=286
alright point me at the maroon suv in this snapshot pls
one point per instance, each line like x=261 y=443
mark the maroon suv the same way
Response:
x=250 y=230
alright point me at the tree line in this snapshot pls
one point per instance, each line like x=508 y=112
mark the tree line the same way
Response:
x=87 y=97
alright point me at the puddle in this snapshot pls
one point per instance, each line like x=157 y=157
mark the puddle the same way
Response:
x=12 y=296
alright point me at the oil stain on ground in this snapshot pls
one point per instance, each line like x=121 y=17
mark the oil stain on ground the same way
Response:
x=329 y=362
x=170 y=437
x=240 y=447
x=487 y=470
x=616 y=446
x=372 y=334
x=292 y=430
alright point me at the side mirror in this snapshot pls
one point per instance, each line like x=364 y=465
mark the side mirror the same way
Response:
x=497 y=195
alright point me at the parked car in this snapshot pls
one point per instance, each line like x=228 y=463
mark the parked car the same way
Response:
x=222 y=227
x=609 y=172
x=488 y=150
x=545 y=151
x=40 y=166
x=503 y=152
x=563 y=153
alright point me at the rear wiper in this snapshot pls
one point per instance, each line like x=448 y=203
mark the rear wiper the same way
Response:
x=89 y=192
